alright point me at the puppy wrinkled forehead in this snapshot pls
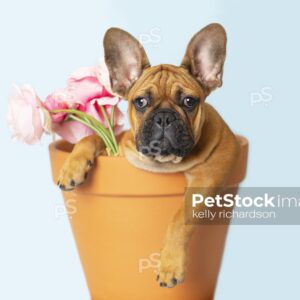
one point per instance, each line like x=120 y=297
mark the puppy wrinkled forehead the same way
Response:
x=165 y=81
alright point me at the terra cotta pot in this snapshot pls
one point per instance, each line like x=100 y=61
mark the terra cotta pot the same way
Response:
x=120 y=216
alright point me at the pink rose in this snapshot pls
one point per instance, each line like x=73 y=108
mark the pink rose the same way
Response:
x=84 y=92
x=25 y=117
x=103 y=75
x=108 y=103
x=54 y=101
x=84 y=86
x=73 y=131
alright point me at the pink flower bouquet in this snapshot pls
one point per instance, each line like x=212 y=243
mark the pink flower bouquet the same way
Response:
x=85 y=106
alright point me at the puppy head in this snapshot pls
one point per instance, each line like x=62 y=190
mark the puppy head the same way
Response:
x=166 y=101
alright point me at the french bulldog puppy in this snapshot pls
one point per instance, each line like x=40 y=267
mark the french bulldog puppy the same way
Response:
x=172 y=128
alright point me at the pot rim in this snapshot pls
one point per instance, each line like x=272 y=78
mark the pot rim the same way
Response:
x=60 y=144
x=115 y=176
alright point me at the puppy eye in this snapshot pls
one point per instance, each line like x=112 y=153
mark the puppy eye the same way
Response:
x=141 y=103
x=190 y=102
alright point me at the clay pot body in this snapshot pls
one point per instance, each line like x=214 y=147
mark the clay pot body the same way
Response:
x=119 y=221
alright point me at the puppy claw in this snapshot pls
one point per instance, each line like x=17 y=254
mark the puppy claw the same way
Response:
x=172 y=267
x=63 y=188
x=74 y=172
x=169 y=283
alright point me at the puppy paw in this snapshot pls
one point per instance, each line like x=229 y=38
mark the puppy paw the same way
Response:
x=74 y=172
x=172 y=267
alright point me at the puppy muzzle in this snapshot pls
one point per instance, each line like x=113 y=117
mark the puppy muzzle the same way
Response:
x=164 y=133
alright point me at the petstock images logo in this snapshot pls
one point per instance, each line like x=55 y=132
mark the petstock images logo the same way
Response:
x=245 y=206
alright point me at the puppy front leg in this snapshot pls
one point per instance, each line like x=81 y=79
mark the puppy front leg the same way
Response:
x=174 y=253
x=207 y=178
x=173 y=256
x=79 y=163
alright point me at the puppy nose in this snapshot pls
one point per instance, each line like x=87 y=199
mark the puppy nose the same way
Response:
x=164 y=118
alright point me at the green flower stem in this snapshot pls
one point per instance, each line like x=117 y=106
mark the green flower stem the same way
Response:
x=112 y=117
x=95 y=125
x=81 y=114
x=110 y=128
x=108 y=143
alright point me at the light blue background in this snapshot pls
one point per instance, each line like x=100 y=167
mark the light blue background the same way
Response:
x=42 y=42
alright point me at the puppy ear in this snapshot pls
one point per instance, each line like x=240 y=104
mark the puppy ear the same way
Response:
x=205 y=56
x=125 y=58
